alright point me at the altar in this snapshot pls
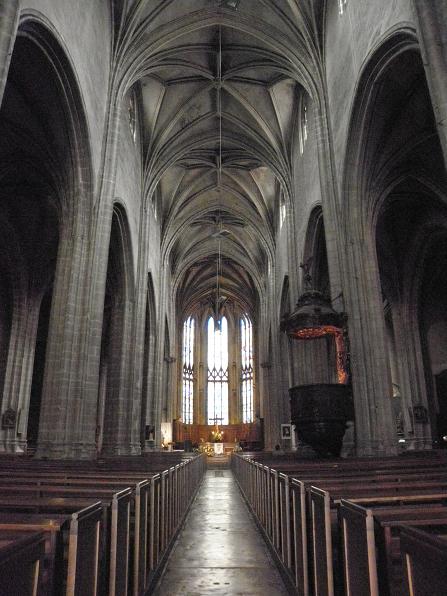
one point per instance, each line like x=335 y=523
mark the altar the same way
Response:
x=218 y=448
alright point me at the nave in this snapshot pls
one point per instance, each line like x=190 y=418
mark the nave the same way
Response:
x=334 y=527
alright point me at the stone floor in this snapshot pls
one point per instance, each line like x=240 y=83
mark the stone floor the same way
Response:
x=220 y=551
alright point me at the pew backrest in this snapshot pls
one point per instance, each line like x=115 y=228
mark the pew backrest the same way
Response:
x=141 y=538
x=425 y=562
x=299 y=536
x=359 y=550
x=83 y=551
x=21 y=562
x=320 y=515
x=120 y=543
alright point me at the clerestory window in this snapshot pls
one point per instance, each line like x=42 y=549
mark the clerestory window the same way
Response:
x=132 y=114
x=188 y=371
x=304 y=125
x=342 y=6
x=282 y=210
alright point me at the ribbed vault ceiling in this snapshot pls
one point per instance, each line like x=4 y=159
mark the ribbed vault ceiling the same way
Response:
x=220 y=90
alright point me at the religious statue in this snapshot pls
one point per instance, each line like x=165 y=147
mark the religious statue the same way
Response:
x=307 y=276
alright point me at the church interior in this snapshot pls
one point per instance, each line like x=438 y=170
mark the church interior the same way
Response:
x=223 y=288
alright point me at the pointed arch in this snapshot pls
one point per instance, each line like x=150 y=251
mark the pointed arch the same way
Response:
x=217 y=378
x=315 y=252
x=247 y=368
x=114 y=411
x=149 y=353
x=46 y=175
x=392 y=132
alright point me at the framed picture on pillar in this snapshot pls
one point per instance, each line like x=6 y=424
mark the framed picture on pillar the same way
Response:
x=286 y=431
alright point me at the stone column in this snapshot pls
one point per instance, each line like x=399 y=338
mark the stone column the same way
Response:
x=170 y=384
x=412 y=383
x=19 y=372
x=73 y=433
x=432 y=33
x=137 y=339
x=62 y=393
x=118 y=414
x=271 y=422
x=374 y=423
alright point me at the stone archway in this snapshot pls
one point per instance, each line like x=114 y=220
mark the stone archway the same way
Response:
x=42 y=130
x=392 y=135
x=114 y=411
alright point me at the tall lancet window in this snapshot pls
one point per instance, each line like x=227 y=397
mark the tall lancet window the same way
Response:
x=304 y=125
x=218 y=371
x=188 y=371
x=247 y=369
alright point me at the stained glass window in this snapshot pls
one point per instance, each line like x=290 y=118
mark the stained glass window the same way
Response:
x=188 y=371
x=282 y=210
x=132 y=109
x=247 y=369
x=342 y=6
x=217 y=371
x=304 y=125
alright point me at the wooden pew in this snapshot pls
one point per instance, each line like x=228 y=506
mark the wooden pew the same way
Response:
x=54 y=528
x=288 y=518
x=425 y=558
x=141 y=560
x=82 y=544
x=390 y=512
x=21 y=559
x=83 y=552
x=120 y=543
x=367 y=531
x=114 y=544
x=359 y=550
x=114 y=539
x=289 y=509
x=322 y=551
x=145 y=514
x=279 y=501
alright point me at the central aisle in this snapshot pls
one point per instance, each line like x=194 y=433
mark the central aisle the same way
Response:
x=220 y=551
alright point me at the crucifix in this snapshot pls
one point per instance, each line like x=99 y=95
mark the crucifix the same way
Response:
x=307 y=276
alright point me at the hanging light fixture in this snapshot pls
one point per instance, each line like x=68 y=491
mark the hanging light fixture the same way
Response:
x=218 y=299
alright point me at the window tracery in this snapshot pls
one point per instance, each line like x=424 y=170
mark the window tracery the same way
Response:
x=246 y=369
x=217 y=385
x=304 y=125
x=132 y=114
x=188 y=371
x=342 y=6
x=282 y=210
